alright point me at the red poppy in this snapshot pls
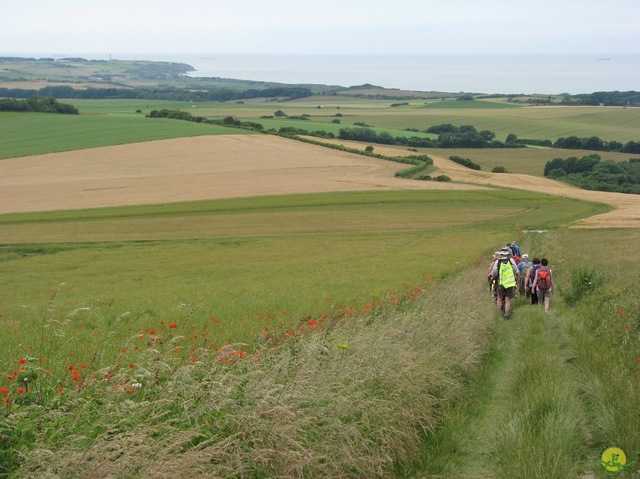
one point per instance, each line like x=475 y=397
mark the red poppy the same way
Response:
x=70 y=367
x=10 y=378
x=23 y=360
x=132 y=365
x=21 y=391
x=619 y=313
x=173 y=326
x=4 y=391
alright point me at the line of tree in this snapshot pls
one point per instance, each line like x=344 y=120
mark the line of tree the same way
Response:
x=606 y=98
x=465 y=162
x=449 y=136
x=597 y=144
x=165 y=93
x=36 y=103
x=186 y=116
x=591 y=173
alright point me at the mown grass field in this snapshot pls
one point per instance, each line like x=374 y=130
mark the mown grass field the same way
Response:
x=35 y=133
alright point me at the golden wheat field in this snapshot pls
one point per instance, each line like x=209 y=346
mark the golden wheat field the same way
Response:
x=234 y=166
x=189 y=169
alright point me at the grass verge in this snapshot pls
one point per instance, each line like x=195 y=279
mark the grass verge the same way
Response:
x=345 y=396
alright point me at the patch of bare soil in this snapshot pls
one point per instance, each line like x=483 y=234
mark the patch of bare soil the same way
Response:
x=188 y=169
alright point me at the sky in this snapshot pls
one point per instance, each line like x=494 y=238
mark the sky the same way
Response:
x=319 y=27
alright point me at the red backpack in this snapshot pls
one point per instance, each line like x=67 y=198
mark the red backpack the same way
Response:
x=544 y=281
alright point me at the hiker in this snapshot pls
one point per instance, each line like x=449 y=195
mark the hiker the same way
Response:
x=523 y=269
x=543 y=283
x=505 y=272
x=515 y=248
x=493 y=287
x=528 y=280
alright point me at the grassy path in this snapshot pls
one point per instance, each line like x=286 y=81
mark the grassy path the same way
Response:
x=521 y=416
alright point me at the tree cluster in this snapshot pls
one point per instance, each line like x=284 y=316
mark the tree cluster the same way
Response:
x=449 y=136
x=596 y=144
x=591 y=173
x=38 y=104
x=606 y=98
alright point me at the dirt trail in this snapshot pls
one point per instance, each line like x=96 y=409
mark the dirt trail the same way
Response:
x=626 y=212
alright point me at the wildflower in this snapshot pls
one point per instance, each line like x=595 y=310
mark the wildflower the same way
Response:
x=60 y=389
x=4 y=391
x=21 y=390
x=173 y=326
x=76 y=375
x=312 y=323
x=619 y=313
x=70 y=367
x=639 y=360
x=9 y=377
x=136 y=385
x=132 y=365
x=23 y=360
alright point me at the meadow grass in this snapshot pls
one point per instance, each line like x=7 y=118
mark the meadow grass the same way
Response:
x=341 y=396
x=333 y=250
x=554 y=390
x=361 y=389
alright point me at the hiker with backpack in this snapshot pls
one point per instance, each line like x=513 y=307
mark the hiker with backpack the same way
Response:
x=543 y=284
x=523 y=269
x=505 y=274
x=528 y=280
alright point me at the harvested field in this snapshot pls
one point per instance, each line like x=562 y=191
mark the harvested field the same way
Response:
x=189 y=169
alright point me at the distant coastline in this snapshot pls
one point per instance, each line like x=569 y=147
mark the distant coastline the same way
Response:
x=506 y=74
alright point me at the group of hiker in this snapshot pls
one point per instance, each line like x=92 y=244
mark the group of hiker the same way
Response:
x=511 y=271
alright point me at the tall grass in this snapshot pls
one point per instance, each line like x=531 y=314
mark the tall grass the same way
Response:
x=343 y=396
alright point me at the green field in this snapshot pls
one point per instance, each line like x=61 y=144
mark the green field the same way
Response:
x=109 y=122
x=330 y=335
x=249 y=257
x=23 y=134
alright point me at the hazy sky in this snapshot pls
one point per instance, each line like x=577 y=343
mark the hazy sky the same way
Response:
x=327 y=26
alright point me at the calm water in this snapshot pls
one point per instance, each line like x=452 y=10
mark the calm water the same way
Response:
x=542 y=73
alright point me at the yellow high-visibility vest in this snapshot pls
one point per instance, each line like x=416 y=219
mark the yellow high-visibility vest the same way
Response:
x=507 y=279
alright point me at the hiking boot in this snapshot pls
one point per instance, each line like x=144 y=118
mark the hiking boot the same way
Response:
x=506 y=315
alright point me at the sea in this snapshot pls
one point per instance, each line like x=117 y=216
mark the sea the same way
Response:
x=542 y=73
